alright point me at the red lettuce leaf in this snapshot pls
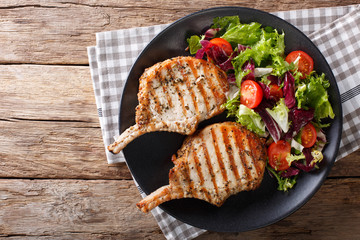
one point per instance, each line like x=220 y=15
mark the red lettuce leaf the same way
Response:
x=249 y=65
x=299 y=118
x=308 y=157
x=270 y=123
x=289 y=90
x=291 y=171
x=275 y=79
x=210 y=33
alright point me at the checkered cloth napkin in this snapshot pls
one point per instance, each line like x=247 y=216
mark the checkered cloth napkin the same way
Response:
x=335 y=31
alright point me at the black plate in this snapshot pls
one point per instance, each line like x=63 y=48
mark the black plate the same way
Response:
x=148 y=157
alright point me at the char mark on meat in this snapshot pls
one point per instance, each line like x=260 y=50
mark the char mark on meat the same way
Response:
x=213 y=164
x=175 y=95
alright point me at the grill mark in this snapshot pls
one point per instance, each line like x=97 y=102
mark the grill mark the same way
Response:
x=181 y=99
x=151 y=92
x=164 y=83
x=190 y=88
x=210 y=84
x=222 y=79
x=217 y=91
x=220 y=159
x=209 y=165
x=179 y=93
x=144 y=99
x=252 y=153
x=193 y=68
x=230 y=152
x=153 y=95
x=240 y=143
x=200 y=86
x=176 y=176
x=201 y=176
x=167 y=95
x=188 y=180
x=237 y=158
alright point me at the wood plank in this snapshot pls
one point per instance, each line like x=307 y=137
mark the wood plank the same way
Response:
x=55 y=32
x=348 y=166
x=49 y=126
x=73 y=209
x=38 y=92
x=38 y=209
x=55 y=149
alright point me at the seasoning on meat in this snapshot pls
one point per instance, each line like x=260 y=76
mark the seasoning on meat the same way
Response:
x=214 y=163
x=175 y=95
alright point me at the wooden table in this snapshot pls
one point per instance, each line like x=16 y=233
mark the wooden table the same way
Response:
x=55 y=182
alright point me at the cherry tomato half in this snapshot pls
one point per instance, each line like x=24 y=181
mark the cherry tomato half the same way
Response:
x=222 y=43
x=277 y=152
x=276 y=92
x=305 y=63
x=251 y=93
x=308 y=135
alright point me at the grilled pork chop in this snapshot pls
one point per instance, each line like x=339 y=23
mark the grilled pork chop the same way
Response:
x=175 y=95
x=214 y=163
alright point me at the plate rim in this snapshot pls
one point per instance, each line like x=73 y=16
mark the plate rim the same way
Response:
x=340 y=118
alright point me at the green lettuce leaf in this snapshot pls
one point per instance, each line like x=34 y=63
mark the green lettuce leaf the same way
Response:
x=245 y=34
x=251 y=120
x=194 y=44
x=284 y=184
x=225 y=23
x=268 y=52
x=232 y=106
x=313 y=94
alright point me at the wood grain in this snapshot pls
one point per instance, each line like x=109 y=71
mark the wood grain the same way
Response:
x=347 y=167
x=54 y=180
x=45 y=92
x=72 y=208
x=57 y=32
x=104 y=209
x=47 y=149
x=49 y=127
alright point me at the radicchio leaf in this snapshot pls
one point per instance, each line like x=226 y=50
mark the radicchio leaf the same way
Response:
x=231 y=78
x=320 y=140
x=271 y=125
x=266 y=89
x=210 y=33
x=289 y=90
x=200 y=53
x=299 y=118
x=308 y=166
x=227 y=65
x=249 y=65
x=267 y=95
x=291 y=171
x=275 y=79
x=242 y=48
x=213 y=52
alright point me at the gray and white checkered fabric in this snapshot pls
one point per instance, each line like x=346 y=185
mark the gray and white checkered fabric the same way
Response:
x=334 y=30
x=340 y=43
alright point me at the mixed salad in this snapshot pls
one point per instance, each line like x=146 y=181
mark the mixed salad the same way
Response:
x=277 y=96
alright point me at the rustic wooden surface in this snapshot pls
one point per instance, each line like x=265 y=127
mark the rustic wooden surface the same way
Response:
x=54 y=180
